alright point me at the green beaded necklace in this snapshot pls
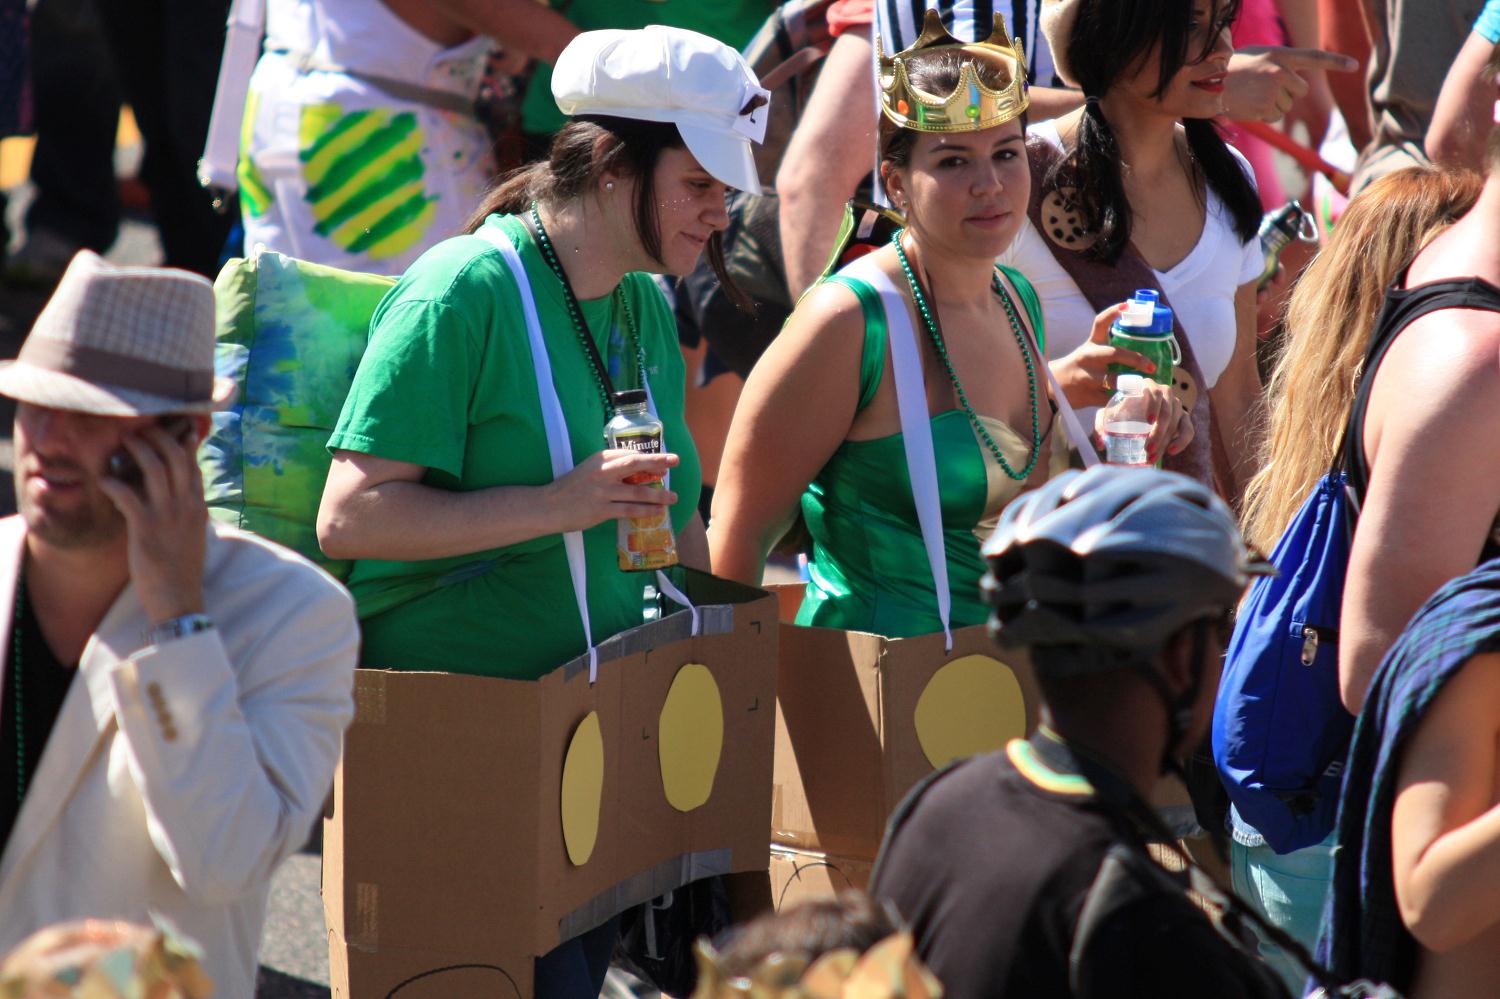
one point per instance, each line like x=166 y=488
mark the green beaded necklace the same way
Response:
x=580 y=326
x=930 y=321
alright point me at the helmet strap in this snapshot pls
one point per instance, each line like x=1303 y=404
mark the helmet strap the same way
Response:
x=1179 y=707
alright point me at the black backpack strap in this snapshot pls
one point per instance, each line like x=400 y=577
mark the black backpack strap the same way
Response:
x=1402 y=308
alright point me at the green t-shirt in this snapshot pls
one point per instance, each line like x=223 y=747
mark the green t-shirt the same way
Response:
x=732 y=22
x=447 y=382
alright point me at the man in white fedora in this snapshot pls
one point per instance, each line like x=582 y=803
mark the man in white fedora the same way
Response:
x=173 y=693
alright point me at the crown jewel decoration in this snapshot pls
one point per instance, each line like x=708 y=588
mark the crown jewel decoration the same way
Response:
x=972 y=106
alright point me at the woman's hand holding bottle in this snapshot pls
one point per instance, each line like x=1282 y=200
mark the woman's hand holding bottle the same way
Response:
x=1143 y=407
x=1084 y=373
x=598 y=489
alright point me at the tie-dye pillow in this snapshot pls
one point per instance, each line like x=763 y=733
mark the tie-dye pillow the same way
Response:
x=290 y=335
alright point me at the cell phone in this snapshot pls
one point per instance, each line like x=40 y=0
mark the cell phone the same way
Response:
x=122 y=464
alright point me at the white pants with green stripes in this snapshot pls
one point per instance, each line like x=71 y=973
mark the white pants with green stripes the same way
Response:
x=337 y=172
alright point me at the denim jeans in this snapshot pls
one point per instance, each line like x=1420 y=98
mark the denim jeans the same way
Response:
x=1288 y=890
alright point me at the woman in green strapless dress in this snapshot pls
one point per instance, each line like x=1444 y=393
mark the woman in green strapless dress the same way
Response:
x=895 y=514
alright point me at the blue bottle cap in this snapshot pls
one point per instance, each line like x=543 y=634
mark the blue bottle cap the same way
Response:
x=1159 y=326
x=1161 y=321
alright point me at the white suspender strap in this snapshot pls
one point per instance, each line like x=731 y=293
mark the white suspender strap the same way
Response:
x=555 y=424
x=1079 y=437
x=916 y=430
x=221 y=148
x=561 y=449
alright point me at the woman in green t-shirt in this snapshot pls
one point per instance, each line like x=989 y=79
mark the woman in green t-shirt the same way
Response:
x=442 y=484
x=446 y=485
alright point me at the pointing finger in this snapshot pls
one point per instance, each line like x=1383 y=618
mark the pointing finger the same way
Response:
x=1312 y=60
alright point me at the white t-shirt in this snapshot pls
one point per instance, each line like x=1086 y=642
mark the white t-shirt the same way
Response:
x=1201 y=287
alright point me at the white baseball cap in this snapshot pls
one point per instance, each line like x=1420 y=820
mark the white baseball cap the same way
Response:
x=658 y=73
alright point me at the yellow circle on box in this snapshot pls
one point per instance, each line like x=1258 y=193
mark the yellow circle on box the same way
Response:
x=691 y=737
x=583 y=789
x=971 y=705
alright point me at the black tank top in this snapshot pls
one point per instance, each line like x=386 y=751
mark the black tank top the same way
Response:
x=1404 y=306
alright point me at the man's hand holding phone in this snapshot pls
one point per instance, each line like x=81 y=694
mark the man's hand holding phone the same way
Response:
x=166 y=517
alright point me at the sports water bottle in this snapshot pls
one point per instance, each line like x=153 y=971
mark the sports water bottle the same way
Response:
x=1127 y=422
x=1146 y=328
x=1277 y=229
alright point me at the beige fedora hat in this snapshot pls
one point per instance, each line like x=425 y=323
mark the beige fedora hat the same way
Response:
x=121 y=341
x=1056 y=21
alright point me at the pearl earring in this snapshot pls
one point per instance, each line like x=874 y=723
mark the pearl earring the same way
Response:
x=609 y=185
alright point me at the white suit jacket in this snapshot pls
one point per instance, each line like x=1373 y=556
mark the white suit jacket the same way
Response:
x=178 y=776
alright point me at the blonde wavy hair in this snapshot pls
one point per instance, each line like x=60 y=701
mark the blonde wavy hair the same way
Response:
x=1329 y=319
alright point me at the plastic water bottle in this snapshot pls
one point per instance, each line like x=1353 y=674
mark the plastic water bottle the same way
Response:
x=1127 y=422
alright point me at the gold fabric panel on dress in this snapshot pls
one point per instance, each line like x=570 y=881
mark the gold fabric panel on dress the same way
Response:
x=1000 y=488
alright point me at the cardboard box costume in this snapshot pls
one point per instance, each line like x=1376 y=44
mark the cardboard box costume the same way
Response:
x=480 y=821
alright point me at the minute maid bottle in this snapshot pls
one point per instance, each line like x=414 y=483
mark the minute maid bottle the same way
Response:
x=643 y=543
x=1146 y=328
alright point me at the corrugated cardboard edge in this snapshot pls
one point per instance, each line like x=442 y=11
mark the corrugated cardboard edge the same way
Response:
x=358 y=945
x=718 y=619
x=893 y=762
x=662 y=878
x=416 y=973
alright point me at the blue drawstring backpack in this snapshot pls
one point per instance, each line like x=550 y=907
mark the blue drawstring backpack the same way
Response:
x=1280 y=730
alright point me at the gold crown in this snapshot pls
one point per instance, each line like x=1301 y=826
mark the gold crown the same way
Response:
x=888 y=970
x=972 y=106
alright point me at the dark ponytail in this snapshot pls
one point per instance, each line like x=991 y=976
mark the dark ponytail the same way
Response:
x=1094 y=172
x=583 y=151
x=1110 y=40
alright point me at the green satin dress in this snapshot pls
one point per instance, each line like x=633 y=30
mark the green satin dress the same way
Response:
x=869 y=570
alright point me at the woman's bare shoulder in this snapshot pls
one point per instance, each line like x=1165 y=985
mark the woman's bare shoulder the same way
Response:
x=1448 y=355
x=831 y=316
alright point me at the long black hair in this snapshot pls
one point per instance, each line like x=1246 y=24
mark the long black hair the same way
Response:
x=1110 y=40
x=584 y=150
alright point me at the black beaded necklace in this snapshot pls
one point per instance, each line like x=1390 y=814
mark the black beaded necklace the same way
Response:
x=580 y=326
x=16 y=670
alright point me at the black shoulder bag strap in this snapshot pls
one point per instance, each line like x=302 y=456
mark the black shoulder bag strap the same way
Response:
x=1402 y=308
x=1146 y=826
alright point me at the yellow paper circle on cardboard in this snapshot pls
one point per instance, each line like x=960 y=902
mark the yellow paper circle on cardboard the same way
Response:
x=971 y=705
x=692 y=737
x=583 y=789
